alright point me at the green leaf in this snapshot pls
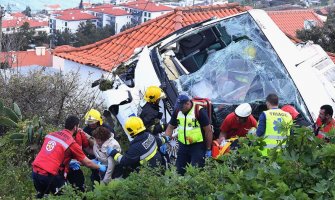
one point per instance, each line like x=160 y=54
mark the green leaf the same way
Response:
x=11 y=114
x=250 y=174
x=1 y=104
x=16 y=136
x=4 y=121
x=30 y=132
x=321 y=187
x=17 y=110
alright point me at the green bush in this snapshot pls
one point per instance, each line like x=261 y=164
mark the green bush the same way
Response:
x=15 y=170
x=304 y=170
x=15 y=164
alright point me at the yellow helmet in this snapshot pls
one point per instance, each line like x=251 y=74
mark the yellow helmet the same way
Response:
x=93 y=116
x=153 y=93
x=134 y=125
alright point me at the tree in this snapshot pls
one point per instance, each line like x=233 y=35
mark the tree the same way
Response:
x=81 y=6
x=51 y=95
x=322 y=35
x=27 y=35
x=63 y=38
x=127 y=26
x=88 y=33
x=41 y=38
x=27 y=11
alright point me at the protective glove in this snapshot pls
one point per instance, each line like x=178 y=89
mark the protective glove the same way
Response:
x=110 y=150
x=166 y=138
x=208 y=154
x=102 y=168
x=74 y=165
x=95 y=161
x=163 y=149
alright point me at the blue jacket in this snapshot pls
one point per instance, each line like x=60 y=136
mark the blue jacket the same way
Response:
x=144 y=146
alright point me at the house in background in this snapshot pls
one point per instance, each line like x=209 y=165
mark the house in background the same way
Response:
x=13 y=25
x=110 y=15
x=144 y=10
x=69 y=20
x=40 y=56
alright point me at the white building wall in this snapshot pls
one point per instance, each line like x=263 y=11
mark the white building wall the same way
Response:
x=88 y=74
x=120 y=21
x=43 y=29
x=152 y=15
x=61 y=25
x=106 y=20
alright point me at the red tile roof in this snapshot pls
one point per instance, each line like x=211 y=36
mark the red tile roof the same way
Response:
x=110 y=10
x=53 y=7
x=18 y=14
x=324 y=11
x=147 y=6
x=18 y=22
x=74 y=15
x=289 y=21
x=110 y=52
x=27 y=58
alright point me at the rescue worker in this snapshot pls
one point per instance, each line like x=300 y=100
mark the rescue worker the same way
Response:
x=296 y=116
x=325 y=121
x=73 y=173
x=143 y=147
x=93 y=119
x=269 y=124
x=150 y=114
x=195 y=136
x=48 y=166
x=237 y=123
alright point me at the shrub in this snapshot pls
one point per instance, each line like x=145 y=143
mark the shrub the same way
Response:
x=51 y=96
x=304 y=170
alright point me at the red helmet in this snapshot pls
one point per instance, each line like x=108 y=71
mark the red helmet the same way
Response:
x=290 y=109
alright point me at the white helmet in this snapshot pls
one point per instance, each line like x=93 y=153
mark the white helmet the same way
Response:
x=243 y=110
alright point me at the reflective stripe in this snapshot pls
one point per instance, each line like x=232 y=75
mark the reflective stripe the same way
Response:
x=150 y=156
x=51 y=137
x=275 y=137
x=118 y=157
x=152 y=149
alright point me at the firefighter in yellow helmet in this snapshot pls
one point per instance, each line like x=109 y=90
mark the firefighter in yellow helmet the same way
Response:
x=143 y=148
x=93 y=119
x=150 y=114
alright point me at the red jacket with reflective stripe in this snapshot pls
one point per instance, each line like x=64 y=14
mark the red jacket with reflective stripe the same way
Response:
x=51 y=156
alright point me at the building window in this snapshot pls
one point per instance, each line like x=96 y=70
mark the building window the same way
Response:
x=145 y=14
x=7 y=29
x=149 y=15
x=145 y=19
x=65 y=23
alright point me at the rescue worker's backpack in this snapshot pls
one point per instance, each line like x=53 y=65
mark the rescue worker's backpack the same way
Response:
x=207 y=104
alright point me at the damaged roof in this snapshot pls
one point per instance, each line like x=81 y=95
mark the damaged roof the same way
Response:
x=110 y=52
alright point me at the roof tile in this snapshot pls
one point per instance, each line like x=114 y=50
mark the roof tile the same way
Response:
x=289 y=21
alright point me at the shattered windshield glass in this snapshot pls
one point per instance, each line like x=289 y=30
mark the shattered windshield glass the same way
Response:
x=245 y=71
